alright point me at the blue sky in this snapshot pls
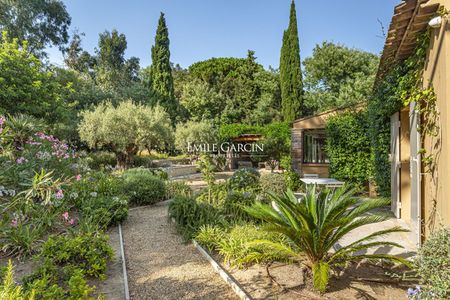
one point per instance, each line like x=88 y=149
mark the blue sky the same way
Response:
x=201 y=29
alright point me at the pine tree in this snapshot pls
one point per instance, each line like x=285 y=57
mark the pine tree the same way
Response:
x=290 y=71
x=161 y=80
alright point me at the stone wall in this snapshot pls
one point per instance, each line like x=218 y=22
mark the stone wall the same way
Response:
x=296 y=150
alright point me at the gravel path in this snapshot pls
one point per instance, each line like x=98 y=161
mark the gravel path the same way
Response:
x=161 y=266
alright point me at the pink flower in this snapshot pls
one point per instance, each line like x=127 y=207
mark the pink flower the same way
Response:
x=21 y=160
x=71 y=221
x=65 y=216
x=59 y=194
x=2 y=120
x=78 y=177
x=14 y=222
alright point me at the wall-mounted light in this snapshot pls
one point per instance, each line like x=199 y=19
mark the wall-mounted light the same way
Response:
x=435 y=22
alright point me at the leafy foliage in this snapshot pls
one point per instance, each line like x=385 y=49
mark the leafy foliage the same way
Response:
x=236 y=90
x=69 y=260
x=161 y=80
x=389 y=92
x=8 y=289
x=313 y=225
x=111 y=69
x=125 y=129
x=338 y=76
x=178 y=188
x=190 y=215
x=239 y=248
x=348 y=147
x=272 y=183
x=290 y=71
x=25 y=86
x=41 y=23
x=433 y=264
x=244 y=178
x=143 y=188
x=192 y=133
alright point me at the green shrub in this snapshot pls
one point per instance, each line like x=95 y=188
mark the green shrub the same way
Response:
x=272 y=183
x=21 y=239
x=143 y=188
x=143 y=161
x=313 y=225
x=348 y=147
x=95 y=184
x=209 y=236
x=244 y=178
x=105 y=211
x=291 y=177
x=237 y=249
x=433 y=264
x=218 y=193
x=101 y=159
x=65 y=262
x=235 y=202
x=190 y=215
x=89 y=252
x=8 y=289
x=157 y=172
x=177 y=188
x=99 y=197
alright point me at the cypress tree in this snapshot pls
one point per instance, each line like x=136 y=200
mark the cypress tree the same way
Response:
x=290 y=71
x=161 y=80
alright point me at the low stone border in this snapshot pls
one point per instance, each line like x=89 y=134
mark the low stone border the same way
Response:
x=124 y=265
x=240 y=292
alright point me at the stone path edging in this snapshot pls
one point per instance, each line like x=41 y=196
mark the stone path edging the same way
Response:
x=230 y=280
x=124 y=266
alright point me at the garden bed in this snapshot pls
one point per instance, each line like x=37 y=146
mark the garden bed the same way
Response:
x=286 y=281
x=112 y=288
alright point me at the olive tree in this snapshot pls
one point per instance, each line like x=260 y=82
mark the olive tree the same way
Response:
x=190 y=136
x=126 y=129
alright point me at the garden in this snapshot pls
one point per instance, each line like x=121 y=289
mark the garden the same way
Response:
x=107 y=193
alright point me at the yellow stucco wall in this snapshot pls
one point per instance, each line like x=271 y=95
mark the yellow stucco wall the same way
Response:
x=436 y=185
x=405 y=163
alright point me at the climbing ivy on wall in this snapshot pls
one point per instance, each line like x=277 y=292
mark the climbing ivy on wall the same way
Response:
x=397 y=88
x=348 y=147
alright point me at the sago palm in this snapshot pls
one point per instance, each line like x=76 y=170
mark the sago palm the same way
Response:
x=316 y=223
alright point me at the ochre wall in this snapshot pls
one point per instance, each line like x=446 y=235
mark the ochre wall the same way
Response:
x=436 y=185
x=405 y=156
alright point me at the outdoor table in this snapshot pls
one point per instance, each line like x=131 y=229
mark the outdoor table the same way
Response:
x=328 y=182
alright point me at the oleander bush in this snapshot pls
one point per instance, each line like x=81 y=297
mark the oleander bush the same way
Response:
x=244 y=178
x=433 y=265
x=143 y=187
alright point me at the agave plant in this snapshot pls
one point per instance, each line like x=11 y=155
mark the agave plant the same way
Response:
x=316 y=223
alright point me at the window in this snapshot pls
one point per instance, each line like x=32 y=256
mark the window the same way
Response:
x=314 y=142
